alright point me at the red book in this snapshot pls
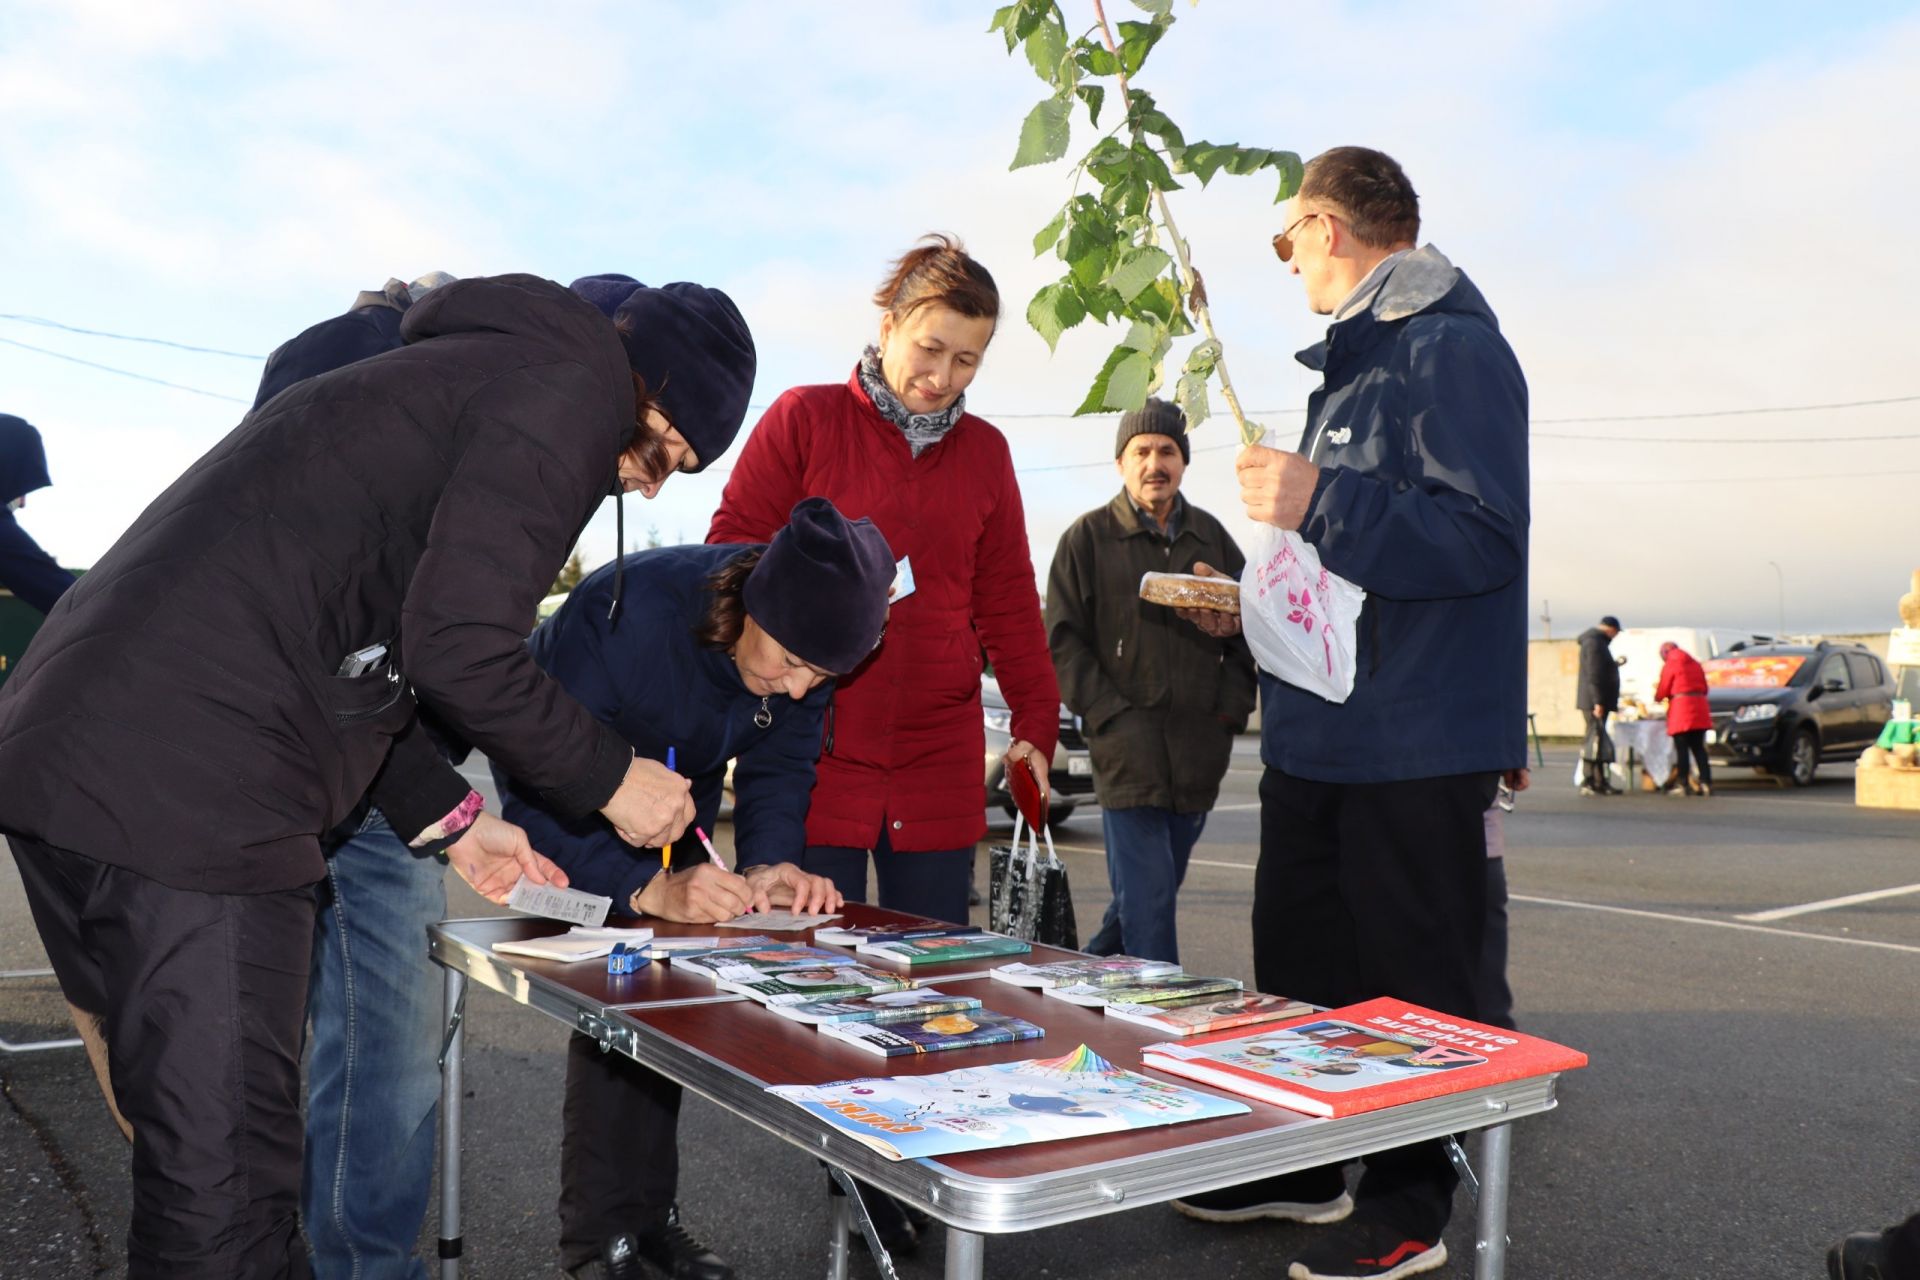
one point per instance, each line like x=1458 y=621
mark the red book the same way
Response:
x=1361 y=1058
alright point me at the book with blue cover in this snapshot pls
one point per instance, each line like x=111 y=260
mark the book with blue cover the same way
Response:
x=911 y=1002
x=966 y=1029
x=1006 y=1104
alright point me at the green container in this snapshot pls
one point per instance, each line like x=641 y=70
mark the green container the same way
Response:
x=18 y=622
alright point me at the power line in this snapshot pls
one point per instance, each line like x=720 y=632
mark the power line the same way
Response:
x=124 y=373
x=1691 y=480
x=1552 y=435
x=1731 y=413
x=128 y=337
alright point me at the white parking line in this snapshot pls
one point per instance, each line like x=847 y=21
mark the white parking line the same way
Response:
x=1828 y=904
x=1231 y=866
x=1717 y=924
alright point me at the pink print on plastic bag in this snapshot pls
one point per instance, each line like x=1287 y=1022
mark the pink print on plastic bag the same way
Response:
x=1283 y=571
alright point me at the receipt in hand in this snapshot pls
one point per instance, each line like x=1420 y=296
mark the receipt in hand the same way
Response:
x=571 y=905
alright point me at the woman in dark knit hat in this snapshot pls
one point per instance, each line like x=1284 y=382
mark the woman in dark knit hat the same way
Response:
x=734 y=657
x=242 y=667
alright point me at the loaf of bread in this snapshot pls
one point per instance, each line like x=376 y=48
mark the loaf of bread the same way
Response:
x=1187 y=591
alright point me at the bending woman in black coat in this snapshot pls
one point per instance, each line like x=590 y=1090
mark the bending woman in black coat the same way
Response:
x=242 y=667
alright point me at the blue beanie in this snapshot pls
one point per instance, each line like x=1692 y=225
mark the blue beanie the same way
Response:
x=605 y=291
x=821 y=588
x=695 y=353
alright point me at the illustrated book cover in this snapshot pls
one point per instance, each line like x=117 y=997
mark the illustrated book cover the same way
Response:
x=1003 y=1105
x=909 y=1002
x=1172 y=986
x=973 y=946
x=969 y=1029
x=1197 y=1015
x=1097 y=971
x=1362 y=1057
x=807 y=983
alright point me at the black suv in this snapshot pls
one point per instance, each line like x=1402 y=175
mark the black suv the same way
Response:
x=1783 y=708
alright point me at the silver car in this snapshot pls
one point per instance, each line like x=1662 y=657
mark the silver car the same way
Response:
x=1070 y=780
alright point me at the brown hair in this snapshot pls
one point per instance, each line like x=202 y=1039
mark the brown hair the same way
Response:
x=938 y=272
x=726 y=614
x=1369 y=190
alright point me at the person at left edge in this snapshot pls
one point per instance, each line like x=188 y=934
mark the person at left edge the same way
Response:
x=240 y=669
x=734 y=659
x=25 y=569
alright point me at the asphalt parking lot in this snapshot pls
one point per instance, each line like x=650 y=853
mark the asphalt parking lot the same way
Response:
x=1741 y=969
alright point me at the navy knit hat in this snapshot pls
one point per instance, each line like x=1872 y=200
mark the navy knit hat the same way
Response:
x=1154 y=418
x=606 y=291
x=692 y=348
x=821 y=587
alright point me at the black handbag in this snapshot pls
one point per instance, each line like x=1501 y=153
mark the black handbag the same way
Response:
x=1029 y=896
x=1598 y=748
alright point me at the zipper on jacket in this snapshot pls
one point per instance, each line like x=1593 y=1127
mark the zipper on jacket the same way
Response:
x=826 y=736
x=1120 y=647
x=398 y=687
x=763 y=718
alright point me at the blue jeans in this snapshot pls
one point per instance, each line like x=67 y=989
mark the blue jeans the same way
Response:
x=1147 y=851
x=373 y=1083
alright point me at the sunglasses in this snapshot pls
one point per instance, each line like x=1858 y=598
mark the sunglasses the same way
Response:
x=1283 y=243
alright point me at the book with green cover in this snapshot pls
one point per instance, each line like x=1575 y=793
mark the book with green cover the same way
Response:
x=975 y=946
x=910 y=1002
x=1172 y=986
x=969 y=1029
x=820 y=982
x=1095 y=971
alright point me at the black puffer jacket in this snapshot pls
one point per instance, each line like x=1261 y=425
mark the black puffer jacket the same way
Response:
x=180 y=712
x=1599 y=683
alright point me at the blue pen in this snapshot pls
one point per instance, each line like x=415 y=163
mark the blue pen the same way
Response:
x=666 y=850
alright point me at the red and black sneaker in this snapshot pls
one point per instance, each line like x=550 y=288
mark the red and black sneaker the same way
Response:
x=1367 y=1248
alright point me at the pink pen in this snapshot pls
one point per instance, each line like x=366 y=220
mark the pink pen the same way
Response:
x=711 y=851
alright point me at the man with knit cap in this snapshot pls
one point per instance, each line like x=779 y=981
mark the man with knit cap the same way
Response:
x=1161 y=700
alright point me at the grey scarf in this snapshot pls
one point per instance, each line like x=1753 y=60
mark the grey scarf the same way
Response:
x=922 y=430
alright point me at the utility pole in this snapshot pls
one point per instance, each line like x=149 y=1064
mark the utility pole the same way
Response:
x=1546 y=617
x=1780 y=584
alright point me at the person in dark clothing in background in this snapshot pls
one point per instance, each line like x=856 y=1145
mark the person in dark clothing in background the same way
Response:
x=26 y=570
x=1161 y=700
x=373 y=1081
x=371 y=325
x=1597 y=694
x=735 y=658
x=1411 y=482
x=246 y=663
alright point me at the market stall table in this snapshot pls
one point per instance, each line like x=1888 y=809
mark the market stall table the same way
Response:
x=729 y=1049
x=1643 y=742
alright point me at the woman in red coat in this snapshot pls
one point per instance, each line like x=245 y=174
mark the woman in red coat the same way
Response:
x=1683 y=687
x=900 y=766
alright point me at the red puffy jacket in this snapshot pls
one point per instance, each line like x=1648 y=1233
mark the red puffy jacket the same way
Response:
x=906 y=740
x=1684 y=685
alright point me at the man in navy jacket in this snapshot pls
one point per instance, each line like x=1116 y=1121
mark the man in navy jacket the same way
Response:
x=1411 y=482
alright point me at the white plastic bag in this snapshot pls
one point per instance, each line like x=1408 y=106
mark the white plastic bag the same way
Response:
x=1300 y=620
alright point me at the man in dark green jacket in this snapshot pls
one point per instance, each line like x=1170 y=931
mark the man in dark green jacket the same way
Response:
x=1161 y=699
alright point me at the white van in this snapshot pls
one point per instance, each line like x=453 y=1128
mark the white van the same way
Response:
x=1637 y=649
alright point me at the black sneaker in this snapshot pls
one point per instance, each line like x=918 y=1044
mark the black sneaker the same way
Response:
x=1859 y=1256
x=670 y=1250
x=618 y=1259
x=1311 y=1195
x=1367 y=1248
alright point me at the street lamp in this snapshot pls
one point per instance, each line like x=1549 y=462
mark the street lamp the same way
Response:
x=1780 y=583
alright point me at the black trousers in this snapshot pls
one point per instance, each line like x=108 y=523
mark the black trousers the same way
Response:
x=1903 y=1250
x=1598 y=776
x=1693 y=742
x=619 y=1149
x=203 y=1001
x=1377 y=889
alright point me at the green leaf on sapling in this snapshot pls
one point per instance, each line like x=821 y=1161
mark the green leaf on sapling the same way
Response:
x=1049 y=235
x=1136 y=270
x=1043 y=135
x=1127 y=385
x=1054 y=310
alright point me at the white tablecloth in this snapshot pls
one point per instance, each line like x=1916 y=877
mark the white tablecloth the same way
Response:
x=1646 y=739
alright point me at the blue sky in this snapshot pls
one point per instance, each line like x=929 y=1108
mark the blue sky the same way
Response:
x=1674 y=208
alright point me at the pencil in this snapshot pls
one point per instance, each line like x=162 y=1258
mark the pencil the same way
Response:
x=666 y=850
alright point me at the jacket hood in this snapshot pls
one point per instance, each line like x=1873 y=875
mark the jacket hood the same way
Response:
x=1422 y=283
x=23 y=459
x=525 y=306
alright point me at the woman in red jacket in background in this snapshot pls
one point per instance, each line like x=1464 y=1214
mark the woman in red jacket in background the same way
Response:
x=900 y=765
x=1683 y=687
